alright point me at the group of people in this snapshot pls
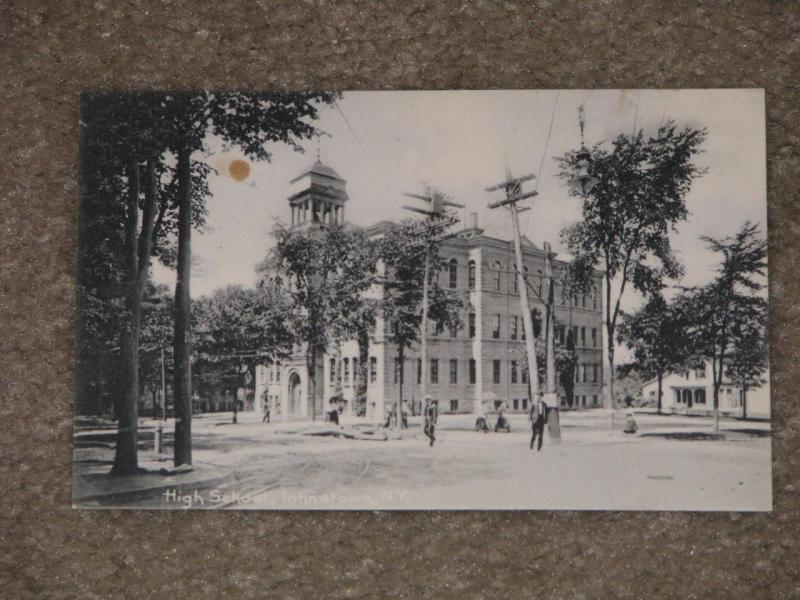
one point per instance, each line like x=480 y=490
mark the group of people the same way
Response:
x=537 y=416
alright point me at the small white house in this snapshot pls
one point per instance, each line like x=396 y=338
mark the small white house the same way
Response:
x=692 y=392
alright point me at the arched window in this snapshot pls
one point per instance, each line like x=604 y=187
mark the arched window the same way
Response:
x=453 y=273
x=472 y=274
x=497 y=275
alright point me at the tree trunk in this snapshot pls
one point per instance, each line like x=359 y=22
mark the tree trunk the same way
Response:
x=716 y=386
x=612 y=404
x=658 y=400
x=363 y=365
x=311 y=367
x=183 y=315
x=126 y=457
x=744 y=400
x=399 y=408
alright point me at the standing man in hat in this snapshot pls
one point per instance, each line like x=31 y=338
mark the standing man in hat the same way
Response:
x=431 y=413
x=538 y=417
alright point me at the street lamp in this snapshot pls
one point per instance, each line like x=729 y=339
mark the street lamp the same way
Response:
x=583 y=182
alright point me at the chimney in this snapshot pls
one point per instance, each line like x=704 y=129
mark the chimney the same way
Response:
x=472 y=222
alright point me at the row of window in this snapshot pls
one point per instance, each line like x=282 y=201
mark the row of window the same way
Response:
x=582 y=373
x=581 y=401
x=346 y=362
x=516 y=330
x=578 y=300
x=517 y=371
x=433 y=371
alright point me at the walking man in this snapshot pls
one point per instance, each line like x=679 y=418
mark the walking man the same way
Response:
x=431 y=413
x=538 y=417
x=266 y=412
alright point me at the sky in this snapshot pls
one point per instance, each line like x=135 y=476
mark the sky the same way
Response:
x=387 y=143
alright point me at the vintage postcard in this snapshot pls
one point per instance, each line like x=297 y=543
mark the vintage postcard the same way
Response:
x=423 y=300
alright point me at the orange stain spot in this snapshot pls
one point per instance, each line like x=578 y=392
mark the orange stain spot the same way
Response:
x=239 y=169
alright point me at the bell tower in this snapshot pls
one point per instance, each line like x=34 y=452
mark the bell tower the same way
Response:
x=318 y=197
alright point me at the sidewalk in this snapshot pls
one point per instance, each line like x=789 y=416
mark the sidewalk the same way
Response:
x=93 y=487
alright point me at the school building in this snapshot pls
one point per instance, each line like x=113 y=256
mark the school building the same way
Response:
x=470 y=369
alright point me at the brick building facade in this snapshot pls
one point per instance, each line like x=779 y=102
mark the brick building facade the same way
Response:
x=470 y=369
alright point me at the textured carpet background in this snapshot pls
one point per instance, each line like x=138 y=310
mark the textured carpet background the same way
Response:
x=51 y=51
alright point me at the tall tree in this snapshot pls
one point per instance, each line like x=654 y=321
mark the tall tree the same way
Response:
x=402 y=254
x=249 y=121
x=124 y=134
x=639 y=197
x=122 y=165
x=657 y=336
x=324 y=273
x=732 y=305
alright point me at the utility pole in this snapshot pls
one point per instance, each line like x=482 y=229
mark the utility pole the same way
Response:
x=437 y=222
x=513 y=190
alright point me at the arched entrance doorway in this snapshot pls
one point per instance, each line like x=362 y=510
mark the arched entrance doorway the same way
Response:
x=295 y=394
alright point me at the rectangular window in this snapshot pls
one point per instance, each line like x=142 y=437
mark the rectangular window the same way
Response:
x=583 y=336
x=594 y=337
x=496 y=371
x=453 y=370
x=419 y=371
x=333 y=370
x=471 y=325
x=434 y=370
x=583 y=301
x=575 y=334
x=577 y=374
x=346 y=377
x=700 y=372
x=496 y=329
x=584 y=377
x=453 y=331
x=355 y=370
x=271 y=373
x=373 y=369
x=524 y=374
x=524 y=404
x=278 y=373
x=453 y=405
x=594 y=400
x=472 y=371
x=560 y=334
x=472 y=274
x=594 y=373
x=513 y=323
x=516 y=404
x=513 y=371
x=594 y=300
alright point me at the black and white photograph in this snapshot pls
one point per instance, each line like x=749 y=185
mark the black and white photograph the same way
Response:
x=423 y=300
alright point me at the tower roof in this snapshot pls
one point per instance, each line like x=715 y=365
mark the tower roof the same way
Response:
x=319 y=169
